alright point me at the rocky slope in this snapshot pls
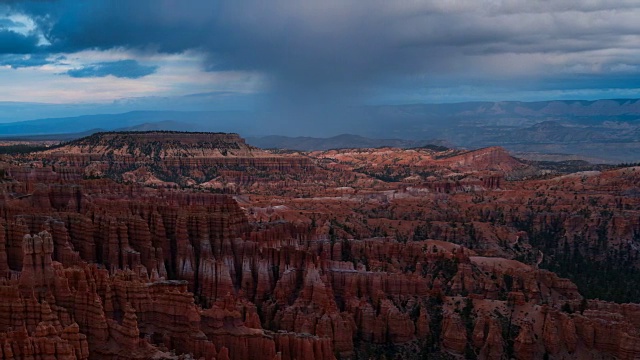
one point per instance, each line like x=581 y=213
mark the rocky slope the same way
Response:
x=421 y=165
x=216 y=161
x=328 y=262
x=160 y=144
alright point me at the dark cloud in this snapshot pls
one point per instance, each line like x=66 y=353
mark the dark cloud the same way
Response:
x=342 y=44
x=129 y=69
x=165 y=26
x=23 y=61
x=320 y=56
x=12 y=42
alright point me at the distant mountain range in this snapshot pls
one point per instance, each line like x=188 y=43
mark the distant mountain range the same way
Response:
x=604 y=130
x=154 y=120
x=160 y=125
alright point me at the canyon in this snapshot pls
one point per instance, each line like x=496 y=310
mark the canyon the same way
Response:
x=170 y=245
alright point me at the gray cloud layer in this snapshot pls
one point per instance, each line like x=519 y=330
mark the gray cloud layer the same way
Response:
x=16 y=61
x=130 y=69
x=338 y=50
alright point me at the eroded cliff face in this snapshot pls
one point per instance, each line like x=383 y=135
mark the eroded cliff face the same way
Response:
x=94 y=269
x=161 y=271
x=135 y=278
x=214 y=161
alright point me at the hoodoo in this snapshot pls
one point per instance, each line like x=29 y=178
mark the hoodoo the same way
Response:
x=430 y=251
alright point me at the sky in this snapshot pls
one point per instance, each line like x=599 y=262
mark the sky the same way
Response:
x=299 y=57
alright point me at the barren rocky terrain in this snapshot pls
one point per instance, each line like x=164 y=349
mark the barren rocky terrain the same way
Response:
x=166 y=245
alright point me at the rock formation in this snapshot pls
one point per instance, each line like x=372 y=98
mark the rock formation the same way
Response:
x=336 y=254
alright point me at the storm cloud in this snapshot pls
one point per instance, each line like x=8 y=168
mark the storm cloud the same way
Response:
x=335 y=53
x=12 y=42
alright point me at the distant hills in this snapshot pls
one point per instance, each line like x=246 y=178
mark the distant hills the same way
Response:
x=604 y=130
x=344 y=141
x=153 y=120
